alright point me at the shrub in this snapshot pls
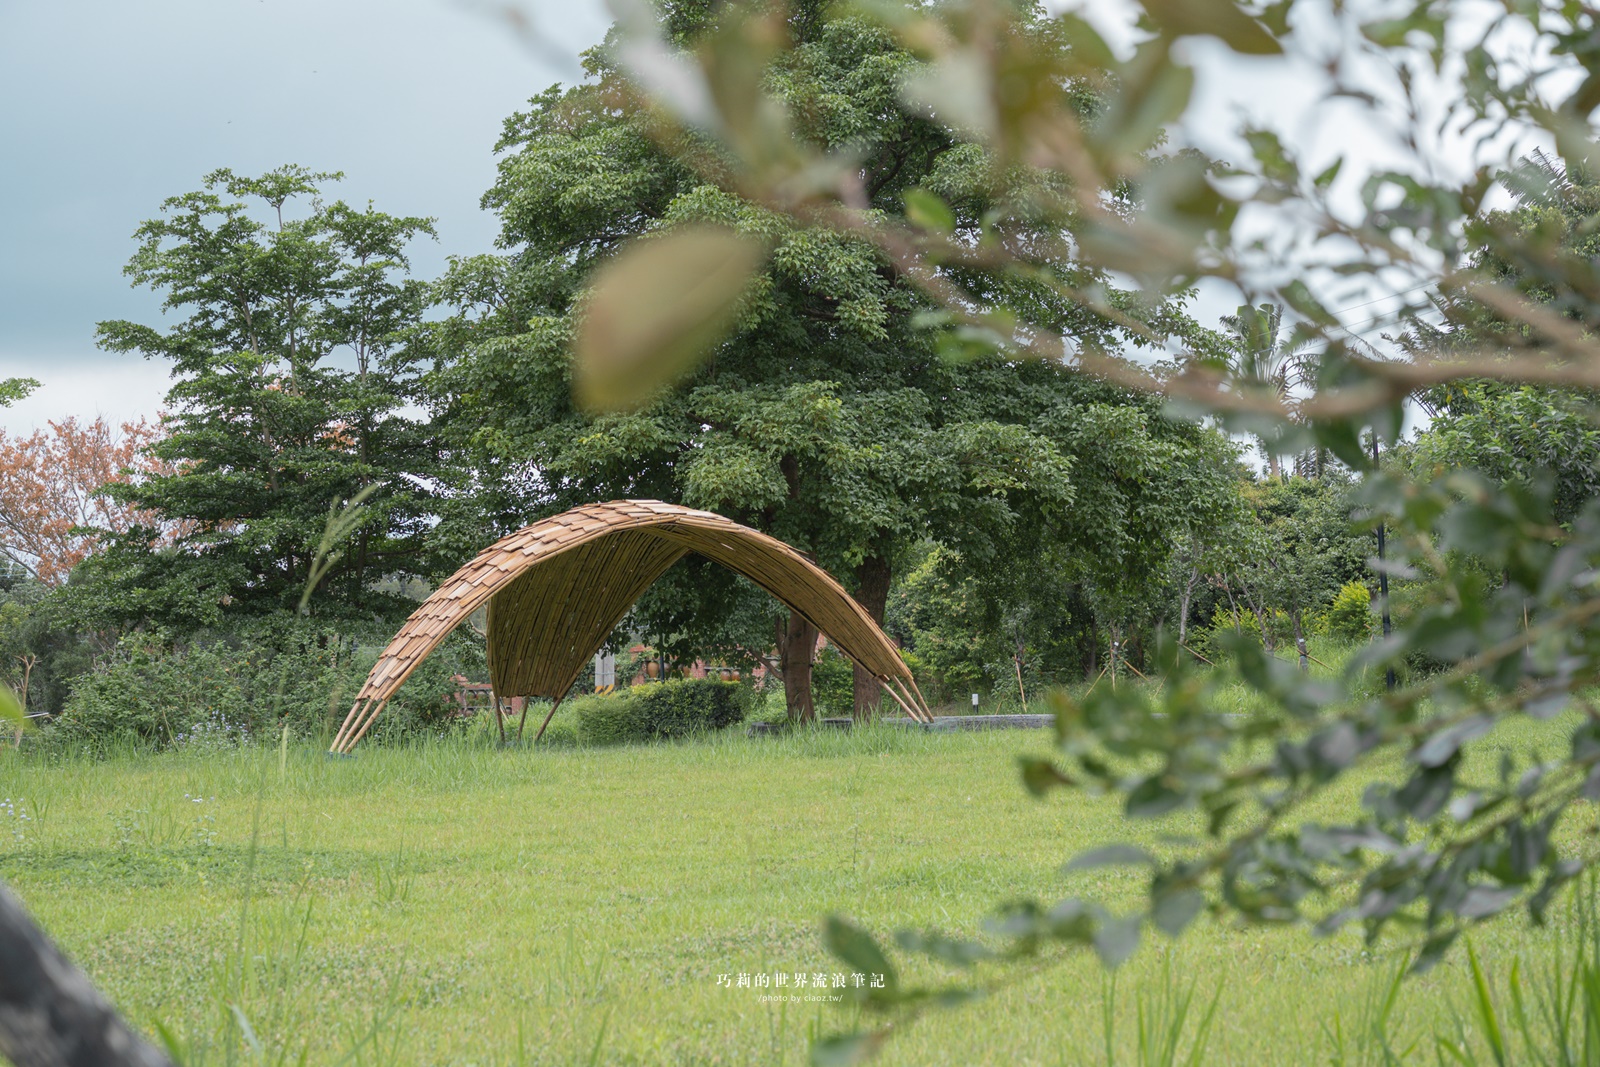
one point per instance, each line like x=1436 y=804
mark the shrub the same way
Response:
x=1349 y=616
x=1204 y=641
x=231 y=687
x=833 y=683
x=660 y=710
x=1222 y=620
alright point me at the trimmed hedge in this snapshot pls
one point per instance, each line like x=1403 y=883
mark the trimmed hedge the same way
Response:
x=661 y=710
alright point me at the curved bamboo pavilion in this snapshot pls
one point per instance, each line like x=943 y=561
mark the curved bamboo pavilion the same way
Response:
x=556 y=589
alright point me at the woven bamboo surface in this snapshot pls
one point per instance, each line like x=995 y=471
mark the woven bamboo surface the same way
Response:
x=556 y=589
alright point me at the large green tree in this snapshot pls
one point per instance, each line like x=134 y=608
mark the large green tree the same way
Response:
x=830 y=417
x=292 y=383
x=1516 y=433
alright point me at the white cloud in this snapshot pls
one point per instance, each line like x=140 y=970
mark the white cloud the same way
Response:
x=122 y=390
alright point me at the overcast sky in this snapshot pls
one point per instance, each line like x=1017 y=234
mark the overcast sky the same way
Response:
x=113 y=105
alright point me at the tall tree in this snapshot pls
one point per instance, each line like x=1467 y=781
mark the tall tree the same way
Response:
x=293 y=379
x=1518 y=434
x=830 y=417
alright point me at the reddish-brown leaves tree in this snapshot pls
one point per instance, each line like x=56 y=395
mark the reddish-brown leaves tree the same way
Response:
x=50 y=496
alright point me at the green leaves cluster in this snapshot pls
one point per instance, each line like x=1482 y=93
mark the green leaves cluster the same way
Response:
x=15 y=389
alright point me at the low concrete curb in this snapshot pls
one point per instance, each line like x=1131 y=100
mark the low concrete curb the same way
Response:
x=942 y=725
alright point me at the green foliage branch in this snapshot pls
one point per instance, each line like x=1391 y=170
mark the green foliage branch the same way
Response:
x=1503 y=568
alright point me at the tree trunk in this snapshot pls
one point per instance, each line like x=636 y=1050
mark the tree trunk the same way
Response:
x=1016 y=661
x=1300 y=641
x=50 y=1014
x=1183 y=608
x=872 y=593
x=799 y=646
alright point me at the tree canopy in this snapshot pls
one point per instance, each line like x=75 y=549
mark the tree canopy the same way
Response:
x=293 y=377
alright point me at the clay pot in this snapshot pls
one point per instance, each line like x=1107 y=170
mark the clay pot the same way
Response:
x=726 y=674
x=652 y=670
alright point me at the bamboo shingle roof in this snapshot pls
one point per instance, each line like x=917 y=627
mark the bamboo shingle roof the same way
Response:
x=556 y=589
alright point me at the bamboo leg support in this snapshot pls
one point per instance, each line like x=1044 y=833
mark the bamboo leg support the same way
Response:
x=1096 y=681
x=922 y=701
x=547 y=719
x=371 y=717
x=898 y=700
x=352 y=724
x=916 y=710
x=338 y=738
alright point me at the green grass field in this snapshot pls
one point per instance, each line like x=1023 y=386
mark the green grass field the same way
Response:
x=458 y=904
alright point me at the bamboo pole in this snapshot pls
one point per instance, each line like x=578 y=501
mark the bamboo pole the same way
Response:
x=354 y=723
x=922 y=701
x=344 y=727
x=1096 y=681
x=546 y=722
x=923 y=711
x=377 y=707
x=899 y=700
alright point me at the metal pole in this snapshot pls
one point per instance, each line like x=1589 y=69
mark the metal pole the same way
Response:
x=1383 y=574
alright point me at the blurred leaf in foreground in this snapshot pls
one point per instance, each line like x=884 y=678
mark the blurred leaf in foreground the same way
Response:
x=656 y=308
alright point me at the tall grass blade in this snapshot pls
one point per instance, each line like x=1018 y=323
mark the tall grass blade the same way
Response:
x=1488 y=1017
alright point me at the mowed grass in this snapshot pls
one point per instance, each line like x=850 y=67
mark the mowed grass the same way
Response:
x=458 y=904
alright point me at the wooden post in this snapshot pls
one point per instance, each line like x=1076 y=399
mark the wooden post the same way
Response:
x=499 y=719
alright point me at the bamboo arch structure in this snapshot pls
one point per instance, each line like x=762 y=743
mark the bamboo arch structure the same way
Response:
x=556 y=589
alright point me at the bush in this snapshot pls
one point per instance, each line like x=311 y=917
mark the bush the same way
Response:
x=1349 y=616
x=1204 y=641
x=227 y=688
x=1222 y=620
x=661 y=710
x=833 y=683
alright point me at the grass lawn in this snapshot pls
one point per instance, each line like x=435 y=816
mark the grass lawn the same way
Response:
x=456 y=904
